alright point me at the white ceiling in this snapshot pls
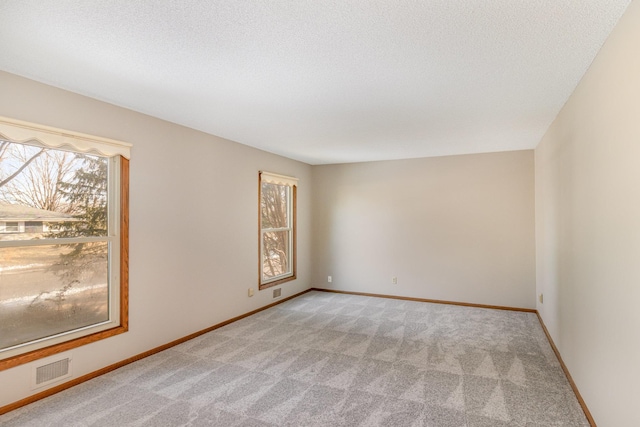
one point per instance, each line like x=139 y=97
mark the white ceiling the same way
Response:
x=321 y=81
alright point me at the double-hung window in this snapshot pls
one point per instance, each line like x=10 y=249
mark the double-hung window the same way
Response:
x=64 y=273
x=277 y=224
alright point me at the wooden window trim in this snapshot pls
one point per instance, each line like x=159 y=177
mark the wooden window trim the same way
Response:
x=294 y=245
x=30 y=356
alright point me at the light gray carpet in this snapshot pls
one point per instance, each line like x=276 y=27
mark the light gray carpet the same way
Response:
x=326 y=359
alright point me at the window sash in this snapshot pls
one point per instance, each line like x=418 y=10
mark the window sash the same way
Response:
x=289 y=259
x=47 y=303
x=113 y=270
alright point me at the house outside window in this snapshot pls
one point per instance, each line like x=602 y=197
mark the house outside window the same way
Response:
x=63 y=240
x=9 y=227
x=277 y=225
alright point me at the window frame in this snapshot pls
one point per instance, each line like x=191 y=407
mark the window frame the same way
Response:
x=292 y=216
x=119 y=218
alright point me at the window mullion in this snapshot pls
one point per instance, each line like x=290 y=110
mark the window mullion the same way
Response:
x=273 y=230
x=61 y=241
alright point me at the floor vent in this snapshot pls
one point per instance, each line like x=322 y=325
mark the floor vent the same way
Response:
x=277 y=292
x=51 y=372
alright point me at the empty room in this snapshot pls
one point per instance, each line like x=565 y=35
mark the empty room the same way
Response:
x=355 y=213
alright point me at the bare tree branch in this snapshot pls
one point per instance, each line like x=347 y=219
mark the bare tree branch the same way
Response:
x=4 y=146
x=38 y=186
x=21 y=168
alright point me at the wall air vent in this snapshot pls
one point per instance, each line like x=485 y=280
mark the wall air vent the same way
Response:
x=59 y=368
x=277 y=293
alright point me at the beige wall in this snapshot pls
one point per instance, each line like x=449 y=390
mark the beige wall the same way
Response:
x=457 y=228
x=193 y=222
x=588 y=229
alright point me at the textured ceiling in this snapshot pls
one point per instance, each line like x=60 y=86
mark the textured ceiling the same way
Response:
x=321 y=81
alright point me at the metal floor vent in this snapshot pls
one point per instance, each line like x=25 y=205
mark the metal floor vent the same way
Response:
x=51 y=372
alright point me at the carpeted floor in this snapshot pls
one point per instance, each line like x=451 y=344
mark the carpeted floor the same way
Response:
x=326 y=359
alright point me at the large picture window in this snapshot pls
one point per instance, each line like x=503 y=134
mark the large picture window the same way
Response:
x=277 y=224
x=63 y=240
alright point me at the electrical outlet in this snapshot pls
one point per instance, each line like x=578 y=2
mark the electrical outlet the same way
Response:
x=541 y=298
x=394 y=280
x=250 y=292
x=329 y=279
